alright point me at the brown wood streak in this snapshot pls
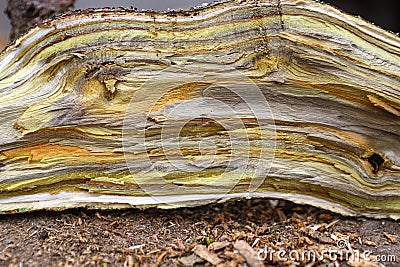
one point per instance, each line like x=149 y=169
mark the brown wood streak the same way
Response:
x=287 y=99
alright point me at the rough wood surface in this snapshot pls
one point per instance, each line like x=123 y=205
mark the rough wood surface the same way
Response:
x=285 y=99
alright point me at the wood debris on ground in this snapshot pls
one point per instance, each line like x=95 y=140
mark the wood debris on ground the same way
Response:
x=237 y=233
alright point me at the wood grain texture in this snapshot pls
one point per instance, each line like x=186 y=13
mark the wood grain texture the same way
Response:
x=287 y=99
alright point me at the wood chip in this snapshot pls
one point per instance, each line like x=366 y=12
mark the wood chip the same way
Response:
x=392 y=238
x=160 y=257
x=308 y=240
x=190 y=260
x=281 y=215
x=82 y=239
x=248 y=253
x=236 y=257
x=218 y=245
x=180 y=245
x=204 y=253
x=130 y=260
x=325 y=217
x=331 y=224
x=369 y=243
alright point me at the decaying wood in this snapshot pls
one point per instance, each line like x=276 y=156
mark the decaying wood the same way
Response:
x=285 y=99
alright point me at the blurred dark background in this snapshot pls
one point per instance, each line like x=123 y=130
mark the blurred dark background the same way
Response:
x=384 y=13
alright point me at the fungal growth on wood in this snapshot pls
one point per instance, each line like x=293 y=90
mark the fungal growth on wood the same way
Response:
x=285 y=99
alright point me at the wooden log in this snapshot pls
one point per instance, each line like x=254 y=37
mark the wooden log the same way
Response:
x=286 y=99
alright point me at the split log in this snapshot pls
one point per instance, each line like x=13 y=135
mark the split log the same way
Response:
x=287 y=99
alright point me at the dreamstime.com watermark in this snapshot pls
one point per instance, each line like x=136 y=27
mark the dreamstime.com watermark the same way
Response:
x=209 y=110
x=342 y=252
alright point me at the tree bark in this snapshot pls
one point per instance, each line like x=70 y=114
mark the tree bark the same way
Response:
x=24 y=14
x=287 y=99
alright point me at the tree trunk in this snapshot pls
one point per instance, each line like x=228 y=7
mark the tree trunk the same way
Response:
x=24 y=14
x=287 y=99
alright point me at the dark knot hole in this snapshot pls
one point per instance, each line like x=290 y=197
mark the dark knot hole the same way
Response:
x=31 y=11
x=376 y=161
